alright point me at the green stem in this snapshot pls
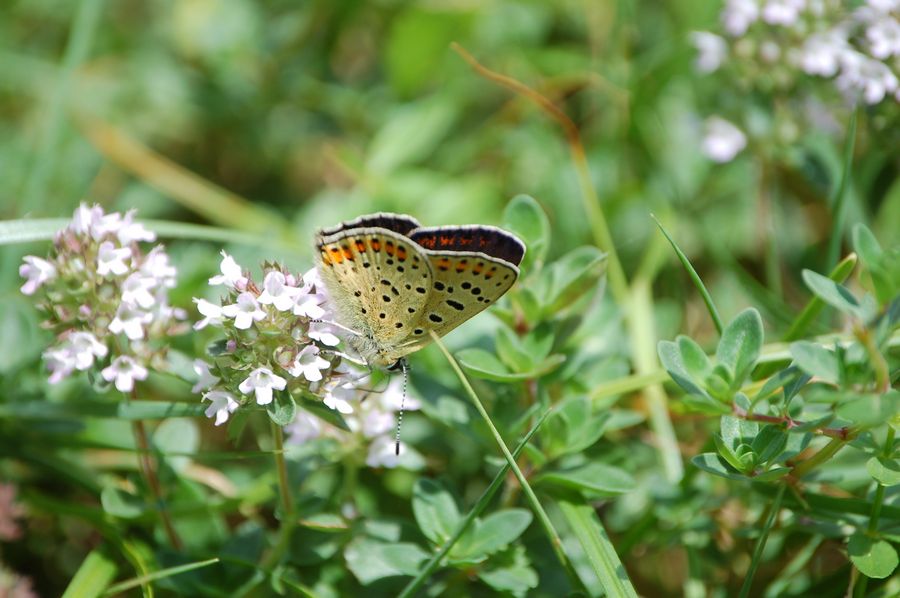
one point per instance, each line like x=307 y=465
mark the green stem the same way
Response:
x=839 y=204
x=149 y=471
x=827 y=452
x=761 y=542
x=287 y=519
x=480 y=505
x=555 y=541
x=860 y=589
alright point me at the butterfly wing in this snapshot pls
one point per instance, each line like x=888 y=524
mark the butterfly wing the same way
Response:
x=473 y=266
x=378 y=279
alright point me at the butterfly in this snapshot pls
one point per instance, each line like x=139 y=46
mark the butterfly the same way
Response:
x=394 y=281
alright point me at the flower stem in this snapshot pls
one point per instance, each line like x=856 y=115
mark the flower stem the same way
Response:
x=555 y=541
x=287 y=519
x=827 y=452
x=761 y=542
x=148 y=470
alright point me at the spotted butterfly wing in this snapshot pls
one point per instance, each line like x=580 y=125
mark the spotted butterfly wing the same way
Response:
x=379 y=280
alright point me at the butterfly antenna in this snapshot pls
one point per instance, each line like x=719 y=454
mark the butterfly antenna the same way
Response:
x=402 y=401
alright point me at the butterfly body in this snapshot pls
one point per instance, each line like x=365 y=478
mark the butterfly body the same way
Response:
x=394 y=281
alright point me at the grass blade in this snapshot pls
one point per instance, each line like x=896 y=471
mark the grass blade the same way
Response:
x=839 y=203
x=480 y=505
x=92 y=577
x=695 y=278
x=161 y=574
x=43 y=229
x=598 y=548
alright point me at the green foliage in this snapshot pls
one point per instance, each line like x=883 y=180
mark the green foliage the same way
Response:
x=245 y=126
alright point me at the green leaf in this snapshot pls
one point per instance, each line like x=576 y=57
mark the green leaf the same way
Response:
x=885 y=471
x=525 y=217
x=712 y=463
x=93 y=576
x=121 y=504
x=594 y=479
x=435 y=511
x=511 y=352
x=871 y=410
x=832 y=293
x=370 y=560
x=740 y=345
x=573 y=275
x=816 y=361
x=673 y=361
x=282 y=409
x=483 y=364
x=177 y=436
x=693 y=357
x=769 y=443
x=512 y=573
x=495 y=532
x=705 y=404
x=874 y=558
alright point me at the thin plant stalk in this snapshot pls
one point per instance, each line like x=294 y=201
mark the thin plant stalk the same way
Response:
x=553 y=536
x=287 y=519
x=761 y=542
x=148 y=470
x=480 y=505
x=877 y=503
x=839 y=203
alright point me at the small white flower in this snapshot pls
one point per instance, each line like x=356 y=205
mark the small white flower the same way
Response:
x=205 y=378
x=339 y=397
x=304 y=428
x=722 y=140
x=262 y=381
x=232 y=276
x=136 y=289
x=863 y=75
x=319 y=331
x=212 y=312
x=83 y=347
x=822 y=53
x=130 y=320
x=37 y=272
x=383 y=452
x=711 y=50
x=112 y=259
x=738 y=15
x=782 y=12
x=245 y=311
x=308 y=306
x=124 y=370
x=884 y=36
x=309 y=364
x=392 y=397
x=85 y=219
x=276 y=292
x=130 y=231
x=222 y=405
x=156 y=265
x=375 y=422
x=60 y=362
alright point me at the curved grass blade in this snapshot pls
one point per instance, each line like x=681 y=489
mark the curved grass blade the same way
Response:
x=695 y=278
x=161 y=574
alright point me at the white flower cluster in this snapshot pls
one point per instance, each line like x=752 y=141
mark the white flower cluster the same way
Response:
x=371 y=417
x=96 y=287
x=278 y=339
x=788 y=44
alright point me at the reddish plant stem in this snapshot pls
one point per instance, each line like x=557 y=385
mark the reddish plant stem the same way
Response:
x=149 y=472
x=844 y=433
